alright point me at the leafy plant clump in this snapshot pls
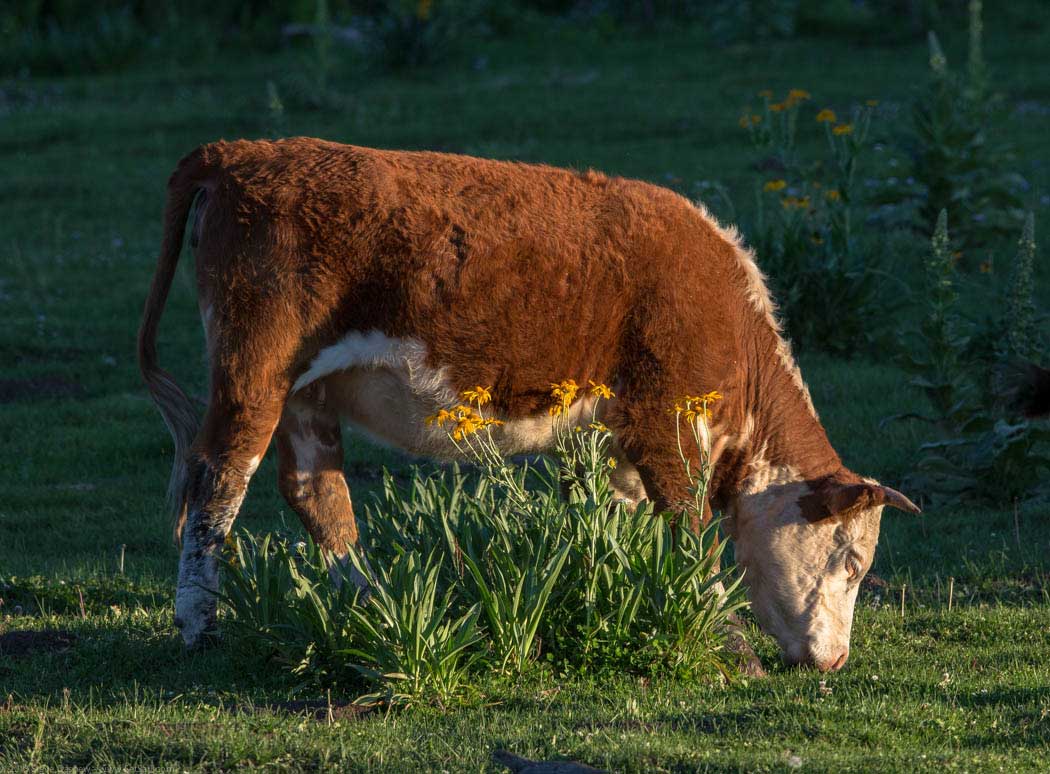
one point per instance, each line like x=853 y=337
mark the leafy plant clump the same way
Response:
x=505 y=568
x=956 y=163
x=979 y=451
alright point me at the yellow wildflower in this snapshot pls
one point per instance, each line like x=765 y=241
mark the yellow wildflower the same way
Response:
x=599 y=426
x=747 y=121
x=766 y=94
x=601 y=391
x=776 y=107
x=872 y=103
x=841 y=129
x=775 y=185
x=827 y=115
x=795 y=202
x=833 y=195
x=795 y=96
x=479 y=395
x=423 y=9
x=440 y=418
x=985 y=267
x=711 y=397
x=611 y=462
x=564 y=393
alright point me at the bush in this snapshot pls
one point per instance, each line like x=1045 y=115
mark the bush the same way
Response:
x=828 y=282
x=978 y=451
x=956 y=164
x=495 y=570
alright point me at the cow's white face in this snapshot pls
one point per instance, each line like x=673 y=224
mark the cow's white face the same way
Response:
x=804 y=551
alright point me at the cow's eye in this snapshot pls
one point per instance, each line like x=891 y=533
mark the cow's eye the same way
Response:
x=853 y=567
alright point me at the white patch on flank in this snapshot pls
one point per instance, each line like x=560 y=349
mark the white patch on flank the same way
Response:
x=758 y=296
x=385 y=387
x=376 y=350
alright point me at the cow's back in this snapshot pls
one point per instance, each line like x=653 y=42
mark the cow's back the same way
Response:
x=510 y=274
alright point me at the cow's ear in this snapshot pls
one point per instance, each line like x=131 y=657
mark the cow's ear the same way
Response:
x=835 y=498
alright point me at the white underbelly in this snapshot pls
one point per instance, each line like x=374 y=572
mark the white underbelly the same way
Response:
x=385 y=387
x=387 y=405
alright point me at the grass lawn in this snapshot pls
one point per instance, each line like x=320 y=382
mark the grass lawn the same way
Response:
x=84 y=456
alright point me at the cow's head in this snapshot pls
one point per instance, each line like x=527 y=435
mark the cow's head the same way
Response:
x=805 y=546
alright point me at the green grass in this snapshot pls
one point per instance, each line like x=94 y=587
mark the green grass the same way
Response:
x=85 y=456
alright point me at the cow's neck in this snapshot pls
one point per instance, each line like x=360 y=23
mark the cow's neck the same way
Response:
x=777 y=436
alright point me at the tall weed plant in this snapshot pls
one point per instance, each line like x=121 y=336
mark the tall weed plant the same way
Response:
x=506 y=567
x=957 y=162
x=978 y=449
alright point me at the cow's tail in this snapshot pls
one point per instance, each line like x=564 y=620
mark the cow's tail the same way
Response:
x=175 y=406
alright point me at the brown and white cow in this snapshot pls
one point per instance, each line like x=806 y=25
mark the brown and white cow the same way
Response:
x=339 y=283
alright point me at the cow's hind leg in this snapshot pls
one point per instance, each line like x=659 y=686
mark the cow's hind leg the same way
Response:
x=310 y=471
x=227 y=451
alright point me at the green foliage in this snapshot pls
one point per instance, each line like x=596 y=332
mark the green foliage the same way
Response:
x=827 y=281
x=933 y=354
x=977 y=452
x=494 y=571
x=407 y=34
x=956 y=163
x=412 y=641
x=1021 y=340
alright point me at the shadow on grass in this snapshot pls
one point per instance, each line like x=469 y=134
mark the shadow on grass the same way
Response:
x=137 y=657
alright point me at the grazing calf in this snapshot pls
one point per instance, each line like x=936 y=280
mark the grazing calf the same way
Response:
x=339 y=283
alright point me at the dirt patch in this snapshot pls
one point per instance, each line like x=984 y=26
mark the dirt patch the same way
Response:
x=21 y=643
x=38 y=388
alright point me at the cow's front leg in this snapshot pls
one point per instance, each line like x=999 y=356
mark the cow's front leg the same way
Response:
x=310 y=475
x=226 y=454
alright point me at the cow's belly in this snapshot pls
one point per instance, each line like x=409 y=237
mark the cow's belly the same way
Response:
x=384 y=387
x=393 y=404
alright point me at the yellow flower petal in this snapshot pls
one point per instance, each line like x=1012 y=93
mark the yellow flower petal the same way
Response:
x=479 y=395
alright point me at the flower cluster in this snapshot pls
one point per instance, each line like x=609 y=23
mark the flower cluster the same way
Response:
x=465 y=419
x=693 y=407
x=563 y=393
